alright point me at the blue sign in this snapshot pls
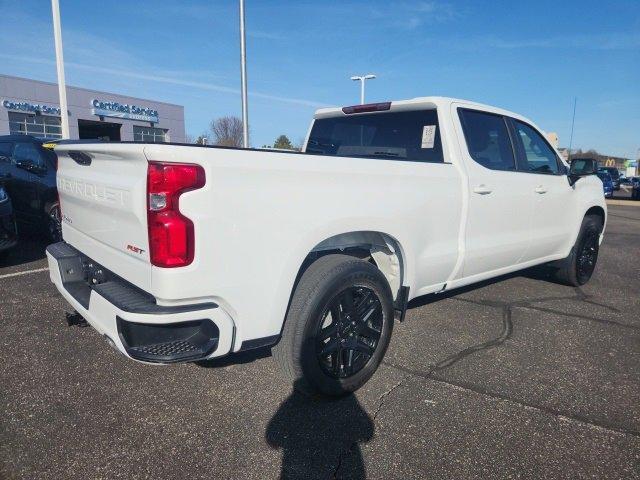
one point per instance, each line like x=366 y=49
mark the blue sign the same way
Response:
x=123 y=110
x=30 y=107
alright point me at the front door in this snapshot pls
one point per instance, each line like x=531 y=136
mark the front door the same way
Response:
x=553 y=218
x=500 y=212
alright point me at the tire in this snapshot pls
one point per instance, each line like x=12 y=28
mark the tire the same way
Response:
x=358 y=294
x=578 y=267
x=54 y=222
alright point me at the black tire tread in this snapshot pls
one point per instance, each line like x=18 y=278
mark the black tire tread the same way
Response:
x=567 y=272
x=286 y=352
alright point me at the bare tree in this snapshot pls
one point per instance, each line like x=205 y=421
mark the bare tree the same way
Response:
x=203 y=139
x=227 y=131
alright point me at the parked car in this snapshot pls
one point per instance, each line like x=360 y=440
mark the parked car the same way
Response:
x=181 y=253
x=615 y=175
x=8 y=232
x=28 y=171
x=607 y=184
x=635 y=185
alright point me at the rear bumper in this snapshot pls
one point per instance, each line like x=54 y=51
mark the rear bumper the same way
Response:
x=131 y=319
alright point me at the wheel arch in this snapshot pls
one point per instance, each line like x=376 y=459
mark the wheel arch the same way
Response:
x=598 y=211
x=380 y=248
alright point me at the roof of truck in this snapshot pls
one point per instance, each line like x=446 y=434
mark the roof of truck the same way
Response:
x=430 y=102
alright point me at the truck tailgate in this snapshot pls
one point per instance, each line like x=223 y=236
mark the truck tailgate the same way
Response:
x=102 y=189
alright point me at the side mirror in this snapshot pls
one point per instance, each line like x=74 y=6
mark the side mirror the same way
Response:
x=581 y=168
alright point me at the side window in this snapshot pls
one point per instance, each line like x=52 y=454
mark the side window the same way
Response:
x=27 y=152
x=540 y=157
x=487 y=139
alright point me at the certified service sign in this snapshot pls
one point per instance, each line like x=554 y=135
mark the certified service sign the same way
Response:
x=30 y=107
x=123 y=110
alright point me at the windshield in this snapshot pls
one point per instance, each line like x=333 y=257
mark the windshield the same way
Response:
x=412 y=135
x=605 y=177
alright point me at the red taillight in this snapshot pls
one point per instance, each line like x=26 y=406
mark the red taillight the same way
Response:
x=171 y=237
x=367 y=107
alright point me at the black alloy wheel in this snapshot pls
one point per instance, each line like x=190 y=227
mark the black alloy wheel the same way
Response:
x=349 y=332
x=587 y=255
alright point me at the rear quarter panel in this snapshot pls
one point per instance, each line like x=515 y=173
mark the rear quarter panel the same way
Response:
x=261 y=213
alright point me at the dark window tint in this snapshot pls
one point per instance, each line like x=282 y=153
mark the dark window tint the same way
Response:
x=614 y=172
x=27 y=152
x=5 y=152
x=488 y=139
x=412 y=135
x=540 y=157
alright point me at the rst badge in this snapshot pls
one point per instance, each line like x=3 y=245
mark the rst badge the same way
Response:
x=135 y=249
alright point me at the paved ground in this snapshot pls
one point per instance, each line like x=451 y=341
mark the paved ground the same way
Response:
x=519 y=377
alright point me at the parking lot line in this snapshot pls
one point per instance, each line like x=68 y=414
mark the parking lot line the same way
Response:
x=26 y=272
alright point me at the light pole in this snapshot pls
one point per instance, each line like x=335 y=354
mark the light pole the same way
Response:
x=362 y=79
x=243 y=80
x=62 y=91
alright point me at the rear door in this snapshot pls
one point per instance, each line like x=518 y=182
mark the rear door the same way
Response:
x=553 y=217
x=500 y=203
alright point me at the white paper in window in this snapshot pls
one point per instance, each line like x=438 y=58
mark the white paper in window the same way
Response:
x=428 y=136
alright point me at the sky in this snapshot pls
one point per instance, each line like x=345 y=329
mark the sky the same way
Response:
x=532 y=58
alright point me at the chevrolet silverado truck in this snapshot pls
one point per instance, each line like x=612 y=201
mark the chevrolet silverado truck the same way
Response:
x=182 y=253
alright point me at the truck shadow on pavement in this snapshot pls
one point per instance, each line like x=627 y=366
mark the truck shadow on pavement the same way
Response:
x=321 y=438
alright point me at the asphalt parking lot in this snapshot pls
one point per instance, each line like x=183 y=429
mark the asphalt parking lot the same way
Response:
x=519 y=377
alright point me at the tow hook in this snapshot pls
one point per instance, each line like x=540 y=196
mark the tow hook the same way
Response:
x=74 y=318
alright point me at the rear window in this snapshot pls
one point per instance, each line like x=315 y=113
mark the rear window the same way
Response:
x=488 y=139
x=412 y=136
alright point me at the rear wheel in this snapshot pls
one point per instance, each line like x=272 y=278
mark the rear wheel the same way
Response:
x=338 y=326
x=54 y=222
x=578 y=267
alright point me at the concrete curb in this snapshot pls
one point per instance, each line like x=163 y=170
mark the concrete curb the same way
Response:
x=626 y=203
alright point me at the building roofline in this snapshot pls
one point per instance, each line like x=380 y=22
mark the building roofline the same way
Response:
x=90 y=90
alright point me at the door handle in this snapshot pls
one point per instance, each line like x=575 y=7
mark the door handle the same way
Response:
x=482 y=189
x=540 y=189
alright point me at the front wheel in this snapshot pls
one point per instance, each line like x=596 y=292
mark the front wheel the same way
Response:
x=578 y=267
x=338 y=326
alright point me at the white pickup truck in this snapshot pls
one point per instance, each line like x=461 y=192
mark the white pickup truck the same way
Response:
x=183 y=253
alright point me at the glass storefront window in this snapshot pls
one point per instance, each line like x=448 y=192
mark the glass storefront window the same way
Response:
x=149 y=134
x=39 y=126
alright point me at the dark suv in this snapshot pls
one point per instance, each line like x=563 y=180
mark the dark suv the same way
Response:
x=28 y=172
x=615 y=175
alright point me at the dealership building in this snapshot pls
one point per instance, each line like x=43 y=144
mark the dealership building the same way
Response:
x=30 y=107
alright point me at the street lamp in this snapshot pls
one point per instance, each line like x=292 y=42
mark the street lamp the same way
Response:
x=362 y=79
x=243 y=79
